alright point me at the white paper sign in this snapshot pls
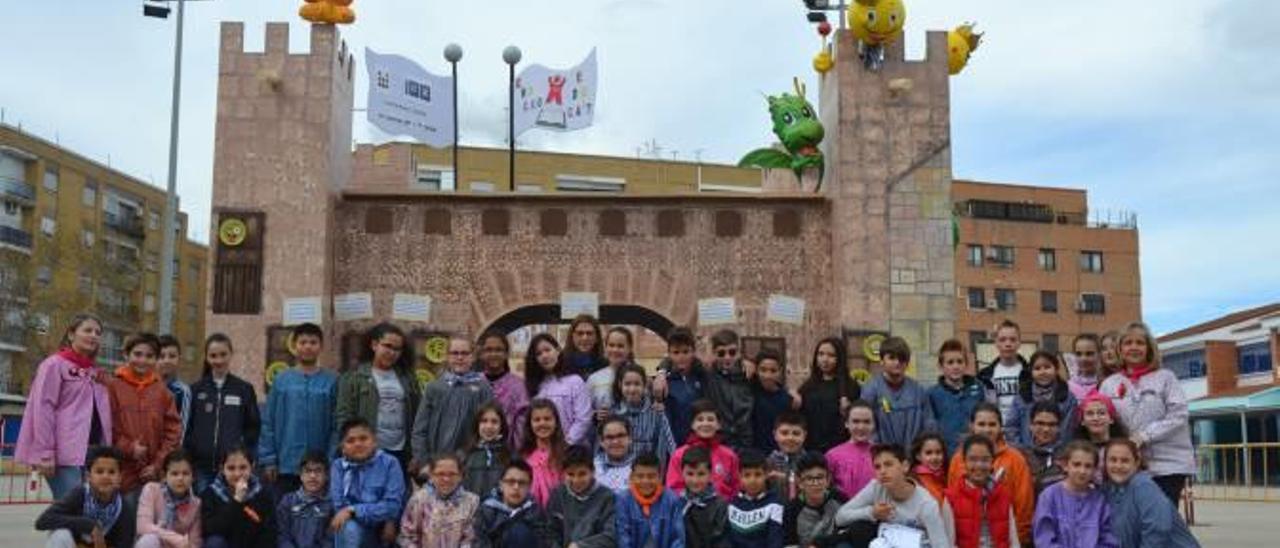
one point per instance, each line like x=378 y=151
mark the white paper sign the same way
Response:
x=785 y=309
x=302 y=310
x=717 y=311
x=405 y=99
x=574 y=303
x=409 y=307
x=558 y=100
x=352 y=306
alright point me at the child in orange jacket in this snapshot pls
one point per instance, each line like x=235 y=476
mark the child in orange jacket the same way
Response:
x=986 y=421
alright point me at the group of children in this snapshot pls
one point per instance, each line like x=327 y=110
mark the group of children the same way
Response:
x=589 y=451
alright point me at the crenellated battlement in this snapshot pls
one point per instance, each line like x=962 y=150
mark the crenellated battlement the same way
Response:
x=325 y=44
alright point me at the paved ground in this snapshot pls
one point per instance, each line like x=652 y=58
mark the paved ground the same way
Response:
x=1234 y=524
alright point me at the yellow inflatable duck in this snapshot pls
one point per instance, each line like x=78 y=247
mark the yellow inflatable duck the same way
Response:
x=876 y=22
x=331 y=12
x=961 y=43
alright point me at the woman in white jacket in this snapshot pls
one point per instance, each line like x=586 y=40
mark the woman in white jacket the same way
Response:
x=1154 y=408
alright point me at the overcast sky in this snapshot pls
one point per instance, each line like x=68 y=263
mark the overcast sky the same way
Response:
x=1168 y=108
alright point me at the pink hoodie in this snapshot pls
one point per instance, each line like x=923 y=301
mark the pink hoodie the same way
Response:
x=59 y=411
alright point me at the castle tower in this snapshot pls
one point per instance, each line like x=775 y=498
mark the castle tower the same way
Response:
x=282 y=151
x=888 y=152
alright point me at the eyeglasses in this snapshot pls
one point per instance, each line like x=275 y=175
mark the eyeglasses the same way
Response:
x=814 y=478
x=727 y=353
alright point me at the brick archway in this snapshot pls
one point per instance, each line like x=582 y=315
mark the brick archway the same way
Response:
x=610 y=314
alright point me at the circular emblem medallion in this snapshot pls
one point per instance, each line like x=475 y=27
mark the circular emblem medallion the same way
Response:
x=232 y=232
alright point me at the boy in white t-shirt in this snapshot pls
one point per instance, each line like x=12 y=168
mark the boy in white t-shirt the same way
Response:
x=1005 y=378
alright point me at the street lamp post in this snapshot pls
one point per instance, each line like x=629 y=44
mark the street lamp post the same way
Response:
x=165 y=323
x=511 y=55
x=453 y=54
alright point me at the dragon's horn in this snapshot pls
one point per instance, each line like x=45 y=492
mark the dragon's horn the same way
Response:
x=800 y=89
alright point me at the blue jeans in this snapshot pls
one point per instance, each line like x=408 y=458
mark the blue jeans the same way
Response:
x=65 y=478
x=216 y=542
x=354 y=535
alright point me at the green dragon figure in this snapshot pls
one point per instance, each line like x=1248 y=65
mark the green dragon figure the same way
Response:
x=797 y=127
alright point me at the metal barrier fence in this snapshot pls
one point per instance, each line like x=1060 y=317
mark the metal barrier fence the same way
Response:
x=18 y=485
x=1238 y=472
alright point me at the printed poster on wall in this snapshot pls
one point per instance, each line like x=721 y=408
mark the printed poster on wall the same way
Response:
x=302 y=310
x=574 y=303
x=784 y=309
x=352 y=306
x=717 y=311
x=412 y=308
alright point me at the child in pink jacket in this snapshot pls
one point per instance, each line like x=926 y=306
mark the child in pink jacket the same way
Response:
x=169 y=511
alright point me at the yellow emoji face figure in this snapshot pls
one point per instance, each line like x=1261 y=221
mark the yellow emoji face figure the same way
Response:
x=876 y=22
x=961 y=43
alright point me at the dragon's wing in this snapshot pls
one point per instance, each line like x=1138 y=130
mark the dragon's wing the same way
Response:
x=766 y=158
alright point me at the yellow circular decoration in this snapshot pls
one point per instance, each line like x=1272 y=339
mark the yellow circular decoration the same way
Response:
x=871 y=346
x=425 y=376
x=291 y=344
x=273 y=370
x=861 y=375
x=232 y=232
x=435 y=349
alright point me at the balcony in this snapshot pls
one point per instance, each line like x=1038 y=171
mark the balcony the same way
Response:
x=15 y=237
x=125 y=224
x=18 y=191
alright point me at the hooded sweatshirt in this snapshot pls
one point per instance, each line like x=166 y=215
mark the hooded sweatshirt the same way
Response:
x=142 y=412
x=1143 y=517
x=952 y=406
x=589 y=520
x=447 y=410
x=902 y=413
x=706 y=516
x=1004 y=390
x=1073 y=520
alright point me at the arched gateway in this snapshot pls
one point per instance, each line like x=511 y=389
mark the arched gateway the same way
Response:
x=297 y=215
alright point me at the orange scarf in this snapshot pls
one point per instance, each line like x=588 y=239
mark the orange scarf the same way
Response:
x=128 y=375
x=646 y=503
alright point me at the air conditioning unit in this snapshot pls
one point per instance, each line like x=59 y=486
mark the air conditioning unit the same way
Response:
x=993 y=304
